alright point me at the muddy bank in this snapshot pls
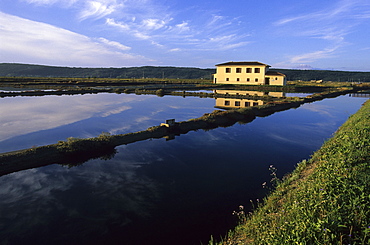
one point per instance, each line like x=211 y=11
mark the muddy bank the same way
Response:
x=75 y=151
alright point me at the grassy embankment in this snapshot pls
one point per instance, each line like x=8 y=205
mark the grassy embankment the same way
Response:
x=325 y=200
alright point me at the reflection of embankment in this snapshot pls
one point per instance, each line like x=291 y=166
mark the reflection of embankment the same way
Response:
x=74 y=151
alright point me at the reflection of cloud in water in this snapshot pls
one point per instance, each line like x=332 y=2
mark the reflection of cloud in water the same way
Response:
x=22 y=115
x=308 y=134
x=119 y=130
x=55 y=200
x=320 y=108
x=142 y=119
x=213 y=137
x=29 y=185
x=115 y=111
x=156 y=111
x=287 y=139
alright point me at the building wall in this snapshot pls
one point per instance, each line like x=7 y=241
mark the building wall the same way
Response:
x=277 y=80
x=239 y=92
x=237 y=74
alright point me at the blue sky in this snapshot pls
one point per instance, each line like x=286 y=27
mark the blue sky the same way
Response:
x=332 y=34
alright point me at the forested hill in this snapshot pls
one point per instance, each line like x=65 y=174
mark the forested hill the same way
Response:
x=26 y=70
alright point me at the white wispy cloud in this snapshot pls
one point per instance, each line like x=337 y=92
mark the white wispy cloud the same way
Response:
x=215 y=20
x=114 y=44
x=50 y=2
x=167 y=30
x=183 y=27
x=129 y=28
x=157 y=26
x=99 y=8
x=331 y=25
x=120 y=25
x=310 y=57
x=226 y=42
x=30 y=41
x=342 y=9
x=153 y=24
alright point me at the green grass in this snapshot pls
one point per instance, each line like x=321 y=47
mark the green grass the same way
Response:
x=326 y=200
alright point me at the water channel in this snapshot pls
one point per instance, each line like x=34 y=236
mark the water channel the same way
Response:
x=180 y=191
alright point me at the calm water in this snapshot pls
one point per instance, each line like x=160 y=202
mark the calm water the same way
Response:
x=35 y=121
x=152 y=192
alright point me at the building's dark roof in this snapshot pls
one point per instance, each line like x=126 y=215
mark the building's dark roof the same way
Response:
x=243 y=63
x=274 y=73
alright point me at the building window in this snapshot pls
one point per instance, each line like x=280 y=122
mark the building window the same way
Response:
x=227 y=79
x=255 y=103
x=256 y=80
x=228 y=70
x=248 y=79
x=238 y=79
x=257 y=70
x=238 y=70
x=237 y=103
x=249 y=70
x=276 y=78
x=247 y=104
x=227 y=102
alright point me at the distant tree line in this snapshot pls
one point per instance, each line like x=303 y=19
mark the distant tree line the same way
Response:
x=325 y=75
x=26 y=70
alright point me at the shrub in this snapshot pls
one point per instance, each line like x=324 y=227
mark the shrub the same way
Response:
x=160 y=92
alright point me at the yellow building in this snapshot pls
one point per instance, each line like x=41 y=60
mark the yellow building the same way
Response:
x=247 y=73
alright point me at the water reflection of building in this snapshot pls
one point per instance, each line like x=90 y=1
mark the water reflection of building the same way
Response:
x=230 y=101
x=250 y=93
x=363 y=95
